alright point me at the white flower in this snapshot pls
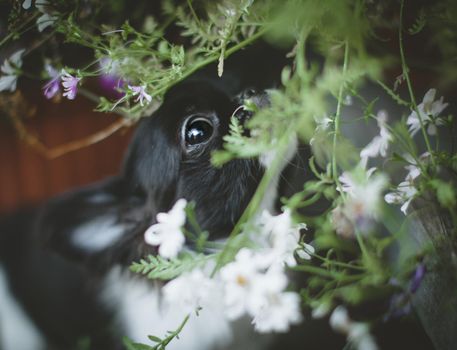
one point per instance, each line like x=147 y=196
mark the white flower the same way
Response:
x=280 y=238
x=26 y=4
x=167 y=233
x=239 y=279
x=278 y=313
x=357 y=333
x=321 y=310
x=360 y=336
x=47 y=18
x=9 y=68
x=364 y=193
x=322 y=124
x=380 y=143
x=191 y=291
x=305 y=251
x=428 y=110
x=404 y=194
x=250 y=289
x=339 y=320
x=141 y=92
x=405 y=191
x=45 y=21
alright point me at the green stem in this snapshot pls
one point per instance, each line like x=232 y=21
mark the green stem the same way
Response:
x=337 y=118
x=209 y=60
x=174 y=334
x=337 y=263
x=232 y=247
x=326 y=273
x=405 y=71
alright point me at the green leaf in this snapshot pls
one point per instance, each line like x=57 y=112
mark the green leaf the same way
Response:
x=156 y=267
x=130 y=345
x=419 y=23
x=154 y=338
x=445 y=193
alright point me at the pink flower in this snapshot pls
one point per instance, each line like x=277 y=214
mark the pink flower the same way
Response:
x=70 y=85
x=142 y=95
x=52 y=87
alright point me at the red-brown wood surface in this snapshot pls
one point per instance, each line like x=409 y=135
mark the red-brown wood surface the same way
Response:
x=27 y=177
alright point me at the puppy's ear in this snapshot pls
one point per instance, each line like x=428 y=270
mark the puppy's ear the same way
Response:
x=82 y=224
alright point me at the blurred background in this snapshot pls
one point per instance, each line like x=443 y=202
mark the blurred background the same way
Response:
x=27 y=175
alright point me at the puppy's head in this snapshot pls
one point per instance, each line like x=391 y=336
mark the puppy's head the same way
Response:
x=169 y=158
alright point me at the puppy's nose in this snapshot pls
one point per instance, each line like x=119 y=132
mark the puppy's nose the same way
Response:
x=243 y=114
x=249 y=101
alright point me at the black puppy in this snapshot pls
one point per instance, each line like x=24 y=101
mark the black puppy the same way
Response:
x=63 y=266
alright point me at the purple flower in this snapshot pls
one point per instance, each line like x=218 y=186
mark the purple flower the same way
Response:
x=112 y=84
x=419 y=274
x=110 y=81
x=52 y=87
x=142 y=95
x=70 y=85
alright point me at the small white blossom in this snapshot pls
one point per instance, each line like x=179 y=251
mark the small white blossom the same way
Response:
x=357 y=333
x=360 y=336
x=278 y=313
x=404 y=194
x=280 y=237
x=191 y=291
x=45 y=21
x=348 y=100
x=406 y=191
x=322 y=124
x=339 y=320
x=26 y=4
x=429 y=111
x=380 y=143
x=9 y=68
x=321 y=310
x=305 y=251
x=167 y=232
x=239 y=278
x=364 y=194
x=48 y=16
x=250 y=289
x=141 y=94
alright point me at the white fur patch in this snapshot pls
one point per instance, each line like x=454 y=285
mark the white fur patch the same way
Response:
x=98 y=234
x=17 y=331
x=140 y=312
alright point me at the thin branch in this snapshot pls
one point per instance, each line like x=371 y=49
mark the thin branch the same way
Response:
x=55 y=152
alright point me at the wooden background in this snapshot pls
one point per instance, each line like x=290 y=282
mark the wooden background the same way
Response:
x=27 y=177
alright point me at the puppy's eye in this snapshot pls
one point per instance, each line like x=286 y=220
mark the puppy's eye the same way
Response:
x=198 y=130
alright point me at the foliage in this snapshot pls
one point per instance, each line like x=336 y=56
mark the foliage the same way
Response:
x=353 y=234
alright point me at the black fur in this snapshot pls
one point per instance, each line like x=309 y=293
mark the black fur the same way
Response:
x=57 y=281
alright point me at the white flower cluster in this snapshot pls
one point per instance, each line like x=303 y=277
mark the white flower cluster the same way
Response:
x=254 y=284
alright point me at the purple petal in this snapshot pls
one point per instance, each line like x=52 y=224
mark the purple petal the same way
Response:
x=419 y=274
x=51 y=88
